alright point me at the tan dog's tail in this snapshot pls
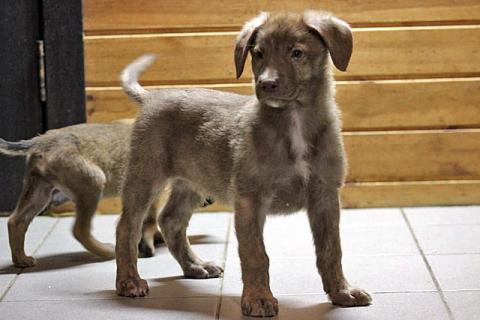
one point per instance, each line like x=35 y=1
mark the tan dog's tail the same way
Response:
x=15 y=149
x=130 y=76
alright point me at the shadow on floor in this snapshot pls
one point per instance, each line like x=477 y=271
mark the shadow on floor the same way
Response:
x=74 y=259
x=56 y=261
x=166 y=297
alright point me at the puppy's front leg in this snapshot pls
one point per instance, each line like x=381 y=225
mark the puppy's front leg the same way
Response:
x=324 y=216
x=137 y=196
x=257 y=299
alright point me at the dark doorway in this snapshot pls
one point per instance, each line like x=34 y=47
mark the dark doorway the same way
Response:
x=42 y=83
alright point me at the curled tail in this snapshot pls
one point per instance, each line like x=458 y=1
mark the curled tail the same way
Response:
x=130 y=76
x=15 y=149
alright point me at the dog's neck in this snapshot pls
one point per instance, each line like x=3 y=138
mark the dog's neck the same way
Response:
x=300 y=120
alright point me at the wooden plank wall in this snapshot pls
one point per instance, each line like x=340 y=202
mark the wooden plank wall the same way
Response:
x=410 y=99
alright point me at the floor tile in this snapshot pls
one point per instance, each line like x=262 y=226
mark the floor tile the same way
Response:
x=37 y=231
x=206 y=221
x=443 y=215
x=391 y=306
x=464 y=304
x=379 y=256
x=34 y=237
x=456 y=272
x=125 y=308
x=83 y=278
x=349 y=217
x=388 y=240
x=376 y=217
x=290 y=236
x=374 y=274
x=65 y=270
x=448 y=239
x=208 y=243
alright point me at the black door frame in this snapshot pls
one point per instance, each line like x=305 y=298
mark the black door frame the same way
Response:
x=28 y=27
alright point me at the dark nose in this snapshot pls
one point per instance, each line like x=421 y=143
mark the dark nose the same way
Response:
x=269 y=86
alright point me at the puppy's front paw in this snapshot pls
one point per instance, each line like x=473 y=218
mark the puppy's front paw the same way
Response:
x=23 y=261
x=132 y=288
x=351 y=297
x=203 y=270
x=255 y=305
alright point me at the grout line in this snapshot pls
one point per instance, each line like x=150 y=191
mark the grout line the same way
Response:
x=200 y=296
x=224 y=263
x=429 y=267
x=10 y=285
x=462 y=290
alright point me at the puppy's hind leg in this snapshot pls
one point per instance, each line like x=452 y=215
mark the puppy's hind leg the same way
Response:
x=173 y=221
x=85 y=183
x=35 y=196
x=151 y=235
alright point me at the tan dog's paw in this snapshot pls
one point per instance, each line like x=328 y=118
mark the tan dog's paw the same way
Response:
x=144 y=250
x=254 y=305
x=158 y=239
x=203 y=270
x=351 y=297
x=23 y=261
x=132 y=288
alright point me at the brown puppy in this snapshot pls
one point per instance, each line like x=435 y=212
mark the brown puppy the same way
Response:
x=85 y=162
x=276 y=152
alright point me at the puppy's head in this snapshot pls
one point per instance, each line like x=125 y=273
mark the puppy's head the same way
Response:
x=290 y=50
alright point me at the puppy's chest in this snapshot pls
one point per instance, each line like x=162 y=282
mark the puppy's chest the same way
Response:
x=286 y=155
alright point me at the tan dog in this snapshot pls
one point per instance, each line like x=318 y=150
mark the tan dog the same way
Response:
x=85 y=162
x=276 y=152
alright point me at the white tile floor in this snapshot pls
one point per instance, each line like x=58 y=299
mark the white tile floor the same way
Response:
x=419 y=263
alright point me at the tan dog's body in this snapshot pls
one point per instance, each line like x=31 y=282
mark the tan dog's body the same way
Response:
x=86 y=162
x=276 y=152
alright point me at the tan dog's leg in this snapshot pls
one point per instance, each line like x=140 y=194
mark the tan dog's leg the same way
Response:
x=257 y=298
x=324 y=216
x=84 y=183
x=35 y=196
x=173 y=223
x=151 y=235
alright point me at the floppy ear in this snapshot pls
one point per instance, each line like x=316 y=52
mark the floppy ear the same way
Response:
x=245 y=39
x=335 y=32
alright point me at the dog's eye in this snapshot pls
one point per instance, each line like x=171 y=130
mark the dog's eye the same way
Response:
x=297 y=54
x=258 y=54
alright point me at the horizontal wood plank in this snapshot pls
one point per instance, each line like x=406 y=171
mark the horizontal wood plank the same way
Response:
x=126 y=16
x=366 y=195
x=379 y=53
x=413 y=155
x=411 y=193
x=365 y=105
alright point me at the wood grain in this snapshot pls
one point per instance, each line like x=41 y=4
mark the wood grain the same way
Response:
x=365 y=105
x=413 y=155
x=412 y=193
x=380 y=53
x=124 y=16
